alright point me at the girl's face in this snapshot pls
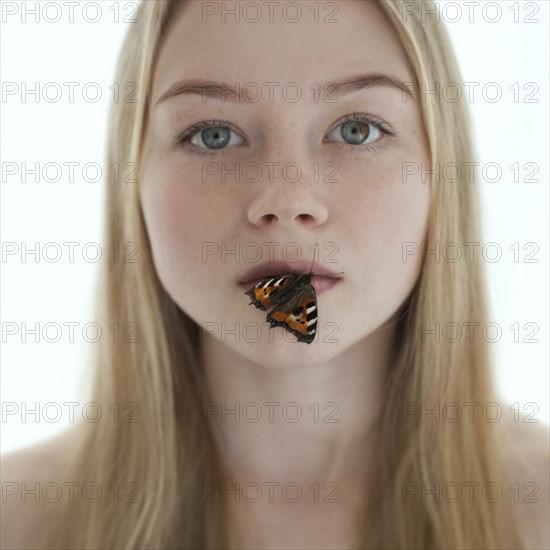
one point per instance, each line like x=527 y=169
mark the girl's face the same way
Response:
x=284 y=168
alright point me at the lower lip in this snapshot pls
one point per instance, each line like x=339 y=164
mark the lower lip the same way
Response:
x=322 y=284
x=319 y=283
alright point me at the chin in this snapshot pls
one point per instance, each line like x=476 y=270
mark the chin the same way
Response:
x=281 y=350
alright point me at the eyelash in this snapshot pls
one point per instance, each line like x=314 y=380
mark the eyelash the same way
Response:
x=185 y=137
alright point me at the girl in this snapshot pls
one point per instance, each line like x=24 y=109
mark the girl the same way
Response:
x=277 y=141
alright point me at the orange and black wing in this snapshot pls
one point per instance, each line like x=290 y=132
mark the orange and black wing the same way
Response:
x=262 y=293
x=301 y=321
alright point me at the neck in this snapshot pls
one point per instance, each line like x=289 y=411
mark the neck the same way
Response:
x=313 y=422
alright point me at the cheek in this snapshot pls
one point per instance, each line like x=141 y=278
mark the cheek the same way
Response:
x=384 y=216
x=183 y=223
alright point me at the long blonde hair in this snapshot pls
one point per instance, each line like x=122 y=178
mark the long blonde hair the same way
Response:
x=169 y=454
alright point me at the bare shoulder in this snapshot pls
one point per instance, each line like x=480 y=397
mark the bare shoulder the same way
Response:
x=32 y=478
x=528 y=479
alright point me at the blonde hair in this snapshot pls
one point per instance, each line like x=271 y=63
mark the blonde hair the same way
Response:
x=169 y=453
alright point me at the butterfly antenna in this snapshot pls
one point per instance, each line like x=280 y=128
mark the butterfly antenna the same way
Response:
x=311 y=269
x=313 y=261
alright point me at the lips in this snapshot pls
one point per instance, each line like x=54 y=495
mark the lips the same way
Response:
x=301 y=267
x=323 y=277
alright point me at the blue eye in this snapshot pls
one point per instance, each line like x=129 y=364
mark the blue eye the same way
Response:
x=208 y=136
x=358 y=133
x=215 y=138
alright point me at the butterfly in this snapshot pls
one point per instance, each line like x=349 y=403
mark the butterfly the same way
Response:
x=292 y=302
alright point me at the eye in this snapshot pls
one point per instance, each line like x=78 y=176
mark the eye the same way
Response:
x=360 y=129
x=207 y=137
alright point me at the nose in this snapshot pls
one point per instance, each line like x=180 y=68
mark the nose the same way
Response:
x=286 y=204
x=290 y=194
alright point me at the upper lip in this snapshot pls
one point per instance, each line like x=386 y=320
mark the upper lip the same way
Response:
x=280 y=267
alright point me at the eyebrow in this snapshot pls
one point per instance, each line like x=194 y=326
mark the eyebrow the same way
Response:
x=328 y=90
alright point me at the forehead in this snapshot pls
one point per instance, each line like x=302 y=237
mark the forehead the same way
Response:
x=303 y=42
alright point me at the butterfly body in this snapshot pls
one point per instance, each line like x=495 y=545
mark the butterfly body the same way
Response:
x=291 y=303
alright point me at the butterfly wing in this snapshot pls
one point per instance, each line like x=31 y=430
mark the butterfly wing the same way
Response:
x=262 y=294
x=301 y=321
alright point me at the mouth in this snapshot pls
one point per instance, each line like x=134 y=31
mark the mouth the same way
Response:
x=322 y=279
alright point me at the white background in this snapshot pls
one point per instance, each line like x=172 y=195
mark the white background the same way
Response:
x=503 y=52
